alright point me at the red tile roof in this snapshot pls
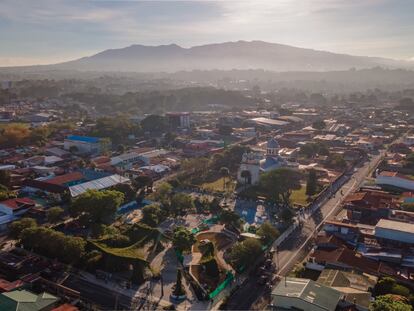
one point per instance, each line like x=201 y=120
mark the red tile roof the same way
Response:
x=357 y=196
x=66 y=307
x=408 y=194
x=18 y=202
x=6 y=286
x=371 y=199
x=63 y=179
x=347 y=257
x=101 y=159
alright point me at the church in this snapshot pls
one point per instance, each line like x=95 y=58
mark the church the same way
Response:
x=253 y=163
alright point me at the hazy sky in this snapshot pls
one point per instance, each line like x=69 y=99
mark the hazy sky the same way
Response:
x=47 y=31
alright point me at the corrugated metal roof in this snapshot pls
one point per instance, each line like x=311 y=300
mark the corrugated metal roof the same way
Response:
x=97 y=184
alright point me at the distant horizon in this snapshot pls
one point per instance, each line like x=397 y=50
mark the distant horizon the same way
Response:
x=63 y=60
x=53 y=31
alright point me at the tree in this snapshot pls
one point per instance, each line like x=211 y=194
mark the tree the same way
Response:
x=280 y=183
x=312 y=183
x=155 y=123
x=39 y=135
x=4 y=178
x=178 y=287
x=287 y=215
x=127 y=190
x=97 y=206
x=230 y=158
x=245 y=175
x=406 y=104
x=14 y=135
x=224 y=172
x=121 y=148
x=384 y=286
x=73 y=149
x=319 y=125
x=54 y=214
x=151 y=215
x=143 y=181
x=310 y=150
x=183 y=239
x=214 y=206
x=163 y=193
x=181 y=203
x=5 y=193
x=228 y=218
x=17 y=226
x=409 y=161
x=245 y=253
x=53 y=244
x=169 y=138
x=388 y=285
x=117 y=129
x=225 y=130
x=337 y=161
x=389 y=303
x=197 y=166
x=268 y=233
x=408 y=207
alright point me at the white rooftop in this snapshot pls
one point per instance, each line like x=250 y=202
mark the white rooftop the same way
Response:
x=395 y=225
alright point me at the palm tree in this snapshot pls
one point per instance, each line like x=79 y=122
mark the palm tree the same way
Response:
x=224 y=172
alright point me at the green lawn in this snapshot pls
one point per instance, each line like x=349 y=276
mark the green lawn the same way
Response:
x=134 y=251
x=217 y=185
x=20 y=124
x=299 y=196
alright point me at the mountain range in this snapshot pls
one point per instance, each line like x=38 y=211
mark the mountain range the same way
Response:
x=224 y=56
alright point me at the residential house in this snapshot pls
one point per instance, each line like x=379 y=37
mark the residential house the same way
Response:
x=74 y=183
x=11 y=209
x=369 y=206
x=344 y=231
x=126 y=161
x=394 y=179
x=355 y=288
x=23 y=300
x=399 y=233
x=86 y=145
x=303 y=294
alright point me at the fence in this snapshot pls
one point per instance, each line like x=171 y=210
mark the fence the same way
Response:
x=285 y=234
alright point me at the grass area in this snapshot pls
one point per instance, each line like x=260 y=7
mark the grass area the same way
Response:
x=20 y=124
x=299 y=196
x=134 y=251
x=217 y=185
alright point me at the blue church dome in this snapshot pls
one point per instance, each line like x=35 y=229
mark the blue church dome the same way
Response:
x=272 y=143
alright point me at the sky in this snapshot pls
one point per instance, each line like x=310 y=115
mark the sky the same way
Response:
x=51 y=31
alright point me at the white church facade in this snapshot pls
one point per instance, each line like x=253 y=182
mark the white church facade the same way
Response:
x=254 y=163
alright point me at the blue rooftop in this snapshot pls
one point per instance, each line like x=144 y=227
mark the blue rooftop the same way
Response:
x=85 y=139
x=272 y=143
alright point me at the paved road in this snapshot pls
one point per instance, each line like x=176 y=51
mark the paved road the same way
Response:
x=298 y=244
x=107 y=299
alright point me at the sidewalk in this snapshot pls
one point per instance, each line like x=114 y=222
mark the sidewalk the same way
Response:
x=134 y=293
